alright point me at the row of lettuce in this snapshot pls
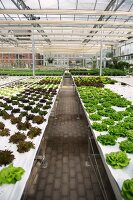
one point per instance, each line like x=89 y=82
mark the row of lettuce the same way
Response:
x=102 y=105
x=54 y=72
x=29 y=72
x=23 y=113
x=96 y=72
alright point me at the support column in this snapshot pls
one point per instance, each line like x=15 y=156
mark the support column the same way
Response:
x=2 y=62
x=101 y=54
x=97 y=65
x=83 y=61
x=43 y=58
x=33 y=53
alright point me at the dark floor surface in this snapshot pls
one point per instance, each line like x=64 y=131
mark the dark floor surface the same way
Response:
x=69 y=174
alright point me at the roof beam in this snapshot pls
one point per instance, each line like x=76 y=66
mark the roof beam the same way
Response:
x=68 y=38
x=64 y=23
x=66 y=12
x=68 y=34
x=77 y=29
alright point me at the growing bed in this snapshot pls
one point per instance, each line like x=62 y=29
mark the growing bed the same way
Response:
x=110 y=116
x=24 y=105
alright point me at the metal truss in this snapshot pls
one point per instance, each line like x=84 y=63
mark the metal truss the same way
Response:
x=20 y=4
x=109 y=6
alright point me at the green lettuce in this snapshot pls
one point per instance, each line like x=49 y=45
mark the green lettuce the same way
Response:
x=107 y=139
x=127 y=146
x=11 y=174
x=117 y=160
x=127 y=189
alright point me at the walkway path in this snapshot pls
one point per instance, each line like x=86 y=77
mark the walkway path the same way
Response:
x=67 y=176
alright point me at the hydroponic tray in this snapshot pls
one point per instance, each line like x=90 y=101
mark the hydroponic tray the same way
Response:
x=24 y=160
x=116 y=176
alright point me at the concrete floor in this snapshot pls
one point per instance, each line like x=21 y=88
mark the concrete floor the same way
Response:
x=69 y=174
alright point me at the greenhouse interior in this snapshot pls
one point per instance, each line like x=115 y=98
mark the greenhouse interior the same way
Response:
x=66 y=100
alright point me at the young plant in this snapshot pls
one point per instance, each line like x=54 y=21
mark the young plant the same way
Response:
x=95 y=117
x=27 y=108
x=126 y=146
x=42 y=100
x=11 y=174
x=35 y=110
x=31 y=103
x=14 y=102
x=15 y=110
x=8 y=107
x=15 y=120
x=116 y=116
x=46 y=107
x=2 y=125
x=117 y=131
x=107 y=139
x=23 y=125
x=17 y=137
x=4 y=132
x=127 y=189
x=33 y=132
x=43 y=112
x=129 y=134
x=24 y=146
x=5 y=115
x=6 y=157
x=99 y=126
x=38 y=119
x=117 y=160
x=108 y=121
x=30 y=117
x=23 y=114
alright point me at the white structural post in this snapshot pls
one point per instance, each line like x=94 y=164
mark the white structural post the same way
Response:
x=43 y=57
x=2 y=56
x=83 y=61
x=33 y=53
x=83 y=57
x=101 y=53
x=97 y=65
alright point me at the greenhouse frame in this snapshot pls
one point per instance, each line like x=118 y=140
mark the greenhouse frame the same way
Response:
x=66 y=100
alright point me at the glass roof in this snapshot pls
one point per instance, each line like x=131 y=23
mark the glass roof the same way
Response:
x=58 y=27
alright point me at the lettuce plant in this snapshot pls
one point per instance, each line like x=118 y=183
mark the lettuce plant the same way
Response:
x=23 y=125
x=130 y=108
x=116 y=116
x=117 y=160
x=24 y=146
x=107 y=139
x=129 y=134
x=38 y=119
x=6 y=157
x=91 y=109
x=33 y=132
x=126 y=125
x=108 y=121
x=95 y=117
x=2 y=125
x=126 y=146
x=4 y=132
x=17 y=137
x=127 y=189
x=128 y=119
x=11 y=174
x=99 y=126
x=117 y=131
